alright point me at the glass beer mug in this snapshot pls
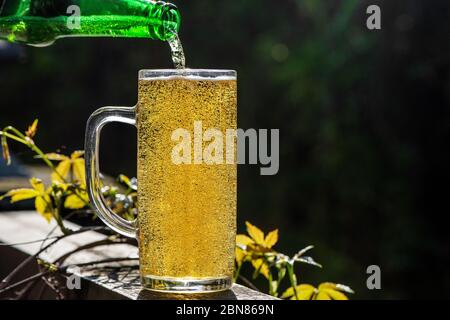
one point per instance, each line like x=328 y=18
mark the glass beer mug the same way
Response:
x=186 y=224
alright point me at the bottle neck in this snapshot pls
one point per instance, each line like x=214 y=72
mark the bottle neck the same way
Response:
x=40 y=22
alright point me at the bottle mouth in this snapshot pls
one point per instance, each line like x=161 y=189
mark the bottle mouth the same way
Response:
x=170 y=18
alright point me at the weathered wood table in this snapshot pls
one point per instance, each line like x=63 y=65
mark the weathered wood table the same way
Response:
x=112 y=280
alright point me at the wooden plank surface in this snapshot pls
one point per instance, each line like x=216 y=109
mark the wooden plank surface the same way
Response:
x=114 y=280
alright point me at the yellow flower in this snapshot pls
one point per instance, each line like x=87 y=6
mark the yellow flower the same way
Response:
x=42 y=202
x=77 y=200
x=31 y=132
x=256 y=243
x=325 y=291
x=73 y=165
x=76 y=197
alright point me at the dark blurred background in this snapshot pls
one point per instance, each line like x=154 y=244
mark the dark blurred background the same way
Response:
x=363 y=115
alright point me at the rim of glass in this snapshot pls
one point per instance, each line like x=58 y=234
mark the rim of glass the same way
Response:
x=152 y=74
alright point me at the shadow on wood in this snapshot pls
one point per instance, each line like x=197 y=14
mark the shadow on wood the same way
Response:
x=153 y=295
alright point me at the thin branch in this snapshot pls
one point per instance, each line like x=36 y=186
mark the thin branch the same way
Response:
x=91 y=263
x=41 y=291
x=302 y=252
x=55 y=289
x=25 y=262
x=48 y=236
x=249 y=283
x=42 y=274
x=11 y=136
x=109 y=241
x=25 y=291
x=28 y=242
x=11 y=275
x=19 y=137
x=26 y=280
x=56 y=227
x=16 y=132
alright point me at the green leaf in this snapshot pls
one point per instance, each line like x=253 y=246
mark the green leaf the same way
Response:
x=129 y=216
x=260 y=268
x=273 y=286
x=123 y=179
x=281 y=273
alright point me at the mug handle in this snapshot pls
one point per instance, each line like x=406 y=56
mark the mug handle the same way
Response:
x=94 y=127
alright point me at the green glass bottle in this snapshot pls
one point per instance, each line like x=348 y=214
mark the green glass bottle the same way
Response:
x=41 y=22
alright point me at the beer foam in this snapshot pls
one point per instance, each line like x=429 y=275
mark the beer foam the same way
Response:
x=188 y=74
x=192 y=78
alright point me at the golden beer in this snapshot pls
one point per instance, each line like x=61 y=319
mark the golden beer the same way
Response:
x=186 y=224
x=186 y=212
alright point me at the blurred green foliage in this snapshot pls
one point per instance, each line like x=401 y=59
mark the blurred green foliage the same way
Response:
x=363 y=117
